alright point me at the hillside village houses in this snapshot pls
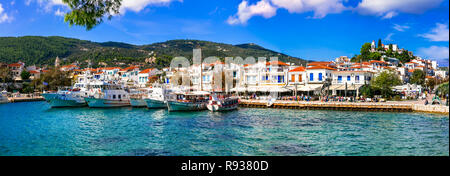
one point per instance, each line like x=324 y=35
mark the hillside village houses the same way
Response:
x=337 y=77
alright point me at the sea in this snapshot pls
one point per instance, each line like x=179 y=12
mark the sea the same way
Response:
x=35 y=129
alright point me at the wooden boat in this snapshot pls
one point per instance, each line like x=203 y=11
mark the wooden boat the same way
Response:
x=194 y=101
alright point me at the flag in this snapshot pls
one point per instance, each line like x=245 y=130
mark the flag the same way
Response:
x=45 y=84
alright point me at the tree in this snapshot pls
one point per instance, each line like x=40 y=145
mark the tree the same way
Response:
x=417 y=77
x=365 y=51
x=5 y=75
x=430 y=83
x=54 y=78
x=375 y=56
x=380 y=47
x=25 y=75
x=89 y=13
x=385 y=81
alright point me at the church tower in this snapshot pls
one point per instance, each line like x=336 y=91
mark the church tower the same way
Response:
x=57 y=61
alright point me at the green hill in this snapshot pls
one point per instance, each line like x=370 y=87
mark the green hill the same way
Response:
x=43 y=50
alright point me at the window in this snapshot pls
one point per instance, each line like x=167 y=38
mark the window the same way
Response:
x=292 y=78
x=339 y=79
x=320 y=76
x=348 y=78
x=311 y=77
x=280 y=79
x=120 y=96
x=300 y=78
x=114 y=96
x=357 y=79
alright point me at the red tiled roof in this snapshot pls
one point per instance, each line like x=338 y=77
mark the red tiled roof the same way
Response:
x=148 y=70
x=68 y=66
x=34 y=72
x=320 y=67
x=319 y=63
x=298 y=69
x=15 y=65
x=276 y=63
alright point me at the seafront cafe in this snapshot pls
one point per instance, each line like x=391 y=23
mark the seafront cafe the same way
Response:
x=345 y=89
x=262 y=90
x=307 y=89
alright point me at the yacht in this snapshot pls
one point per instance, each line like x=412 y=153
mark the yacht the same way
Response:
x=68 y=97
x=188 y=101
x=157 y=97
x=223 y=103
x=107 y=95
x=3 y=97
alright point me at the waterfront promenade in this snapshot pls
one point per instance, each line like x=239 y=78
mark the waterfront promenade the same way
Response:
x=390 y=106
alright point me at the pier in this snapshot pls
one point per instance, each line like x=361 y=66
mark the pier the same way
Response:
x=25 y=99
x=348 y=106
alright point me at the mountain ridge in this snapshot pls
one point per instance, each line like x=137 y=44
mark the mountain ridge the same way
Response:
x=40 y=50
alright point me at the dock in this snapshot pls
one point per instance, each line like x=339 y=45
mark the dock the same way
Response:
x=348 y=106
x=25 y=99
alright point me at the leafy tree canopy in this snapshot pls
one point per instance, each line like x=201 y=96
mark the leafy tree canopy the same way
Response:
x=418 y=77
x=89 y=13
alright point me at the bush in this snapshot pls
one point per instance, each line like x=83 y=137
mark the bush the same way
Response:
x=397 y=98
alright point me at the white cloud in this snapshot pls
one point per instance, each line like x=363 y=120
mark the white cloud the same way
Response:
x=3 y=16
x=389 y=37
x=400 y=28
x=268 y=8
x=59 y=13
x=390 y=8
x=320 y=7
x=438 y=34
x=434 y=52
x=245 y=12
x=138 y=5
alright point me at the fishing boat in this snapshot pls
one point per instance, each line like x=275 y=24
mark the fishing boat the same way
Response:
x=223 y=103
x=3 y=97
x=107 y=95
x=137 y=97
x=156 y=97
x=188 y=101
x=68 y=97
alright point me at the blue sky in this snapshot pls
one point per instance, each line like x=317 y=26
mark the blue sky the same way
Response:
x=309 y=29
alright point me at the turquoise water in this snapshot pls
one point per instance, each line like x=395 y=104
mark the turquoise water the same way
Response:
x=34 y=129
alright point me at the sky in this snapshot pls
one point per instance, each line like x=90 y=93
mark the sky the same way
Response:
x=308 y=29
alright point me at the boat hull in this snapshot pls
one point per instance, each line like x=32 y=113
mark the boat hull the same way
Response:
x=49 y=96
x=3 y=99
x=104 y=103
x=138 y=103
x=155 y=104
x=183 y=106
x=61 y=103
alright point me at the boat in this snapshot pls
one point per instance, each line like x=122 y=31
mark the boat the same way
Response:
x=156 y=97
x=137 y=97
x=68 y=97
x=188 y=101
x=223 y=103
x=107 y=95
x=3 y=97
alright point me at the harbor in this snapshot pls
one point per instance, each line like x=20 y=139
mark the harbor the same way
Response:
x=35 y=129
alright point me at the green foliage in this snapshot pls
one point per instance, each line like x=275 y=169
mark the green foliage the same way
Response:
x=365 y=51
x=25 y=75
x=442 y=89
x=380 y=47
x=375 y=56
x=55 y=78
x=417 y=77
x=384 y=83
x=368 y=91
x=430 y=83
x=27 y=88
x=89 y=13
x=43 y=51
x=5 y=75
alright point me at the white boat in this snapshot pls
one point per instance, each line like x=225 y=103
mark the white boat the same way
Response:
x=223 y=103
x=107 y=95
x=156 y=97
x=195 y=101
x=68 y=97
x=3 y=97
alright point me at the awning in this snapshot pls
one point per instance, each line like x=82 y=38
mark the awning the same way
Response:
x=261 y=89
x=342 y=87
x=309 y=87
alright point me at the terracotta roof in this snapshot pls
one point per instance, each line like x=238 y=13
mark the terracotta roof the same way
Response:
x=34 y=72
x=375 y=61
x=68 y=66
x=276 y=63
x=320 y=67
x=429 y=77
x=15 y=65
x=319 y=63
x=298 y=69
x=148 y=70
x=129 y=68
